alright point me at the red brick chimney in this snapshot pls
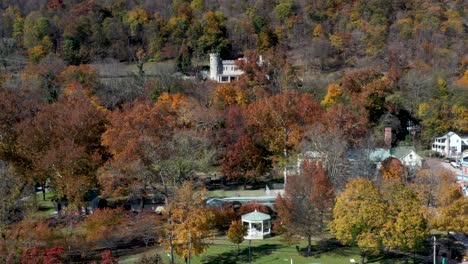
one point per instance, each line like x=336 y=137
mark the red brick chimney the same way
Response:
x=388 y=137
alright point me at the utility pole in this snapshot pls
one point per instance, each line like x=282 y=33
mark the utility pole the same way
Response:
x=189 y=246
x=172 y=249
x=435 y=257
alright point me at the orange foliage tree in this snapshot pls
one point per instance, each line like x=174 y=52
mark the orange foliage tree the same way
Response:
x=348 y=120
x=278 y=122
x=392 y=169
x=62 y=144
x=106 y=226
x=366 y=88
x=148 y=141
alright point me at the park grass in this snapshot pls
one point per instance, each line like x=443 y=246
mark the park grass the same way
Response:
x=129 y=259
x=273 y=250
x=45 y=207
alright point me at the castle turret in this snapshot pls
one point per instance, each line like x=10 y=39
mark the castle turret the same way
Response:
x=214 y=65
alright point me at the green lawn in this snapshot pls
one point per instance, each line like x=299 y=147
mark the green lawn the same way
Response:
x=45 y=208
x=272 y=250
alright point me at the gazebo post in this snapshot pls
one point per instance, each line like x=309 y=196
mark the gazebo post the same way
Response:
x=250 y=252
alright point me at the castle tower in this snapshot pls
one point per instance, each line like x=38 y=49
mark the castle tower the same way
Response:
x=214 y=65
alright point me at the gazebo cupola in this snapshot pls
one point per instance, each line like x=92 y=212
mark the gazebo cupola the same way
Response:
x=258 y=225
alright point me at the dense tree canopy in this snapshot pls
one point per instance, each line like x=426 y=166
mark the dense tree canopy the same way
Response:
x=306 y=208
x=108 y=103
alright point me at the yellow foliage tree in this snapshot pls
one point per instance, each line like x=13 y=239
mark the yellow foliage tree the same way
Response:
x=333 y=93
x=359 y=216
x=448 y=189
x=236 y=233
x=406 y=227
x=318 y=31
x=136 y=18
x=189 y=221
x=454 y=217
x=460 y=117
x=337 y=42
x=36 y=53
x=370 y=218
x=227 y=94
x=454 y=22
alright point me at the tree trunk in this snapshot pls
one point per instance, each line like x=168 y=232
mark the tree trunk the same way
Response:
x=309 y=245
x=449 y=253
x=142 y=203
x=285 y=170
x=34 y=195
x=43 y=191
x=363 y=258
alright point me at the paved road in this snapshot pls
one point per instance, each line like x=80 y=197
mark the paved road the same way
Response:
x=437 y=164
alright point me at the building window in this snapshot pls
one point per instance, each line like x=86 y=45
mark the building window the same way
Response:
x=224 y=79
x=411 y=156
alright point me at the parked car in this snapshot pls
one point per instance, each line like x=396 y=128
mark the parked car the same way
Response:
x=455 y=164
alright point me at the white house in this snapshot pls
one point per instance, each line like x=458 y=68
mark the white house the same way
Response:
x=407 y=156
x=450 y=144
x=224 y=71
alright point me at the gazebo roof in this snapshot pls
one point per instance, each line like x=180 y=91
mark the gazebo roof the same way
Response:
x=255 y=216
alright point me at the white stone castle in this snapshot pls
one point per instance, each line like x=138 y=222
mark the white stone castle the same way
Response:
x=224 y=71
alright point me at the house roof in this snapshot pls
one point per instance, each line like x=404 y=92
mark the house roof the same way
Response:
x=255 y=216
x=379 y=155
x=447 y=135
x=401 y=152
x=451 y=133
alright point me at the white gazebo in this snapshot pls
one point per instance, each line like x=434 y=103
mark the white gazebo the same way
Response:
x=258 y=225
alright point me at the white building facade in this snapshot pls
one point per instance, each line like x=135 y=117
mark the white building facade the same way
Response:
x=450 y=144
x=224 y=71
x=411 y=159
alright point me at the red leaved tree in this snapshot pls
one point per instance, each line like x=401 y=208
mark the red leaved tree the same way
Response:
x=306 y=207
x=279 y=122
x=62 y=144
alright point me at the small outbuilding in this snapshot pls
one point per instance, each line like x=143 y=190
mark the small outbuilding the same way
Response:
x=258 y=225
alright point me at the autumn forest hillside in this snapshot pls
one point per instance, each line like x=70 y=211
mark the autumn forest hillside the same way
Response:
x=414 y=44
x=110 y=99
